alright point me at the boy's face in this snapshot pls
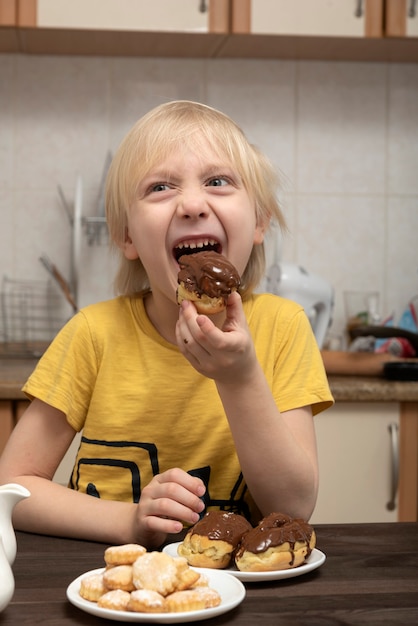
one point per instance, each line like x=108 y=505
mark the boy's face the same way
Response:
x=190 y=201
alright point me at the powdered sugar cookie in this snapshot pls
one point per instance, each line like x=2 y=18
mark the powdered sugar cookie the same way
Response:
x=193 y=600
x=147 y=601
x=116 y=600
x=156 y=571
x=123 y=555
x=119 y=577
x=92 y=587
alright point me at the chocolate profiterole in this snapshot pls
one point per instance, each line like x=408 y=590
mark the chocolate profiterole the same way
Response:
x=278 y=542
x=211 y=542
x=207 y=279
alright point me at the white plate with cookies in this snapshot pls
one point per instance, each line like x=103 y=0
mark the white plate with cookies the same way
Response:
x=314 y=560
x=231 y=590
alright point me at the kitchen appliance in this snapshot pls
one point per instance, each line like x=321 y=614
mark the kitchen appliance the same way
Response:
x=313 y=292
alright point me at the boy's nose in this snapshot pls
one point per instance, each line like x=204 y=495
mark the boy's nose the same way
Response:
x=192 y=205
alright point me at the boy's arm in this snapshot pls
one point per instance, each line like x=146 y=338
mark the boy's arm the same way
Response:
x=32 y=455
x=277 y=451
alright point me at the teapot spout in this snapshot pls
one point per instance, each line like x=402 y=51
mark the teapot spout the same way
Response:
x=13 y=492
x=10 y=495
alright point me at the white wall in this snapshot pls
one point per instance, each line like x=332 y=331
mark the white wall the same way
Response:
x=345 y=135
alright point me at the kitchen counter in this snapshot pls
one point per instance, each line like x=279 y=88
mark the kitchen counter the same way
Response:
x=13 y=374
x=372 y=389
x=15 y=371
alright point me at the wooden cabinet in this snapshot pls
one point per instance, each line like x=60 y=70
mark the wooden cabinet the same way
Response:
x=401 y=18
x=8 y=12
x=323 y=18
x=127 y=15
x=359 y=462
x=335 y=30
x=118 y=28
x=6 y=422
x=10 y=413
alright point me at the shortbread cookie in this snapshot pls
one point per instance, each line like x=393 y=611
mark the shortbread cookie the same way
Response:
x=192 y=600
x=202 y=581
x=156 y=571
x=119 y=577
x=92 y=587
x=123 y=555
x=116 y=600
x=146 y=601
x=186 y=577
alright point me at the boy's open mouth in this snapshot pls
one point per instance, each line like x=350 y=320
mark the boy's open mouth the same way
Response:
x=192 y=247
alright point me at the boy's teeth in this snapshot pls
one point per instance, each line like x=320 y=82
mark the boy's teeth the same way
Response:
x=194 y=245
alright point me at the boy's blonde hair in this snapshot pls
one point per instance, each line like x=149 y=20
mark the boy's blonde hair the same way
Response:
x=154 y=137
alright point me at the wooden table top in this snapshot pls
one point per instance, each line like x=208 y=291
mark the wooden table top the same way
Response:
x=370 y=577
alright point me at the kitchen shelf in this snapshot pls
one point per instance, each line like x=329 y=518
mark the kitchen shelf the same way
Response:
x=60 y=41
x=206 y=45
x=95 y=230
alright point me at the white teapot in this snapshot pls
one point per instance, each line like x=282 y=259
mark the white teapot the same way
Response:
x=10 y=495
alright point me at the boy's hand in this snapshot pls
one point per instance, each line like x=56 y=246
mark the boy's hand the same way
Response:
x=225 y=354
x=170 y=499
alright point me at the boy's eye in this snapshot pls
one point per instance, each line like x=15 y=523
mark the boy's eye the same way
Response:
x=218 y=182
x=160 y=187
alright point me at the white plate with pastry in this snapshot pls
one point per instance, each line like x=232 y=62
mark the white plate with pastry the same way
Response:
x=315 y=560
x=231 y=590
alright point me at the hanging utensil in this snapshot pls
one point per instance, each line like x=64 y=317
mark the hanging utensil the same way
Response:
x=77 y=236
x=56 y=274
x=65 y=204
x=102 y=187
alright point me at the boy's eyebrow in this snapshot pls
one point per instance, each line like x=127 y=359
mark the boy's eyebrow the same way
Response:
x=219 y=168
x=213 y=169
x=156 y=172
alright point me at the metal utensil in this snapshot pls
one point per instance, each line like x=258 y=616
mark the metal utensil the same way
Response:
x=65 y=288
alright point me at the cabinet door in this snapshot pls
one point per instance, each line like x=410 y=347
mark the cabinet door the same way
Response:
x=335 y=18
x=412 y=21
x=145 y=15
x=6 y=422
x=401 y=18
x=20 y=407
x=355 y=459
x=8 y=12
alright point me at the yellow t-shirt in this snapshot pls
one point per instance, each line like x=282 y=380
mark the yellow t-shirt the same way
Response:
x=144 y=409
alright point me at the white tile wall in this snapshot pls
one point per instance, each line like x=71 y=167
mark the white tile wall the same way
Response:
x=344 y=135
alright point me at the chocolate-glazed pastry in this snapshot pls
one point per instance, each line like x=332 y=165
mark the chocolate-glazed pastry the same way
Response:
x=211 y=542
x=207 y=279
x=278 y=542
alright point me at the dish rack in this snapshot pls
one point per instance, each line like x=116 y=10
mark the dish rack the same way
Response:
x=31 y=315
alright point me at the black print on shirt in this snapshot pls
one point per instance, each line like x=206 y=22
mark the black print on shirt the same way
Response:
x=127 y=473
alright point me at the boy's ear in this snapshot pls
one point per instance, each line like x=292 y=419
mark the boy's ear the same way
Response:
x=260 y=231
x=128 y=248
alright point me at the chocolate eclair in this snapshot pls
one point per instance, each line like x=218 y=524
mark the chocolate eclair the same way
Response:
x=278 y=542
x=211 y=542
x=207 y=279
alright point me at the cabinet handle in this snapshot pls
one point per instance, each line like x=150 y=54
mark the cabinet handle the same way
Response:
x=412 y=9
x=359 y=9
x=203 y=7
x=393 y=431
